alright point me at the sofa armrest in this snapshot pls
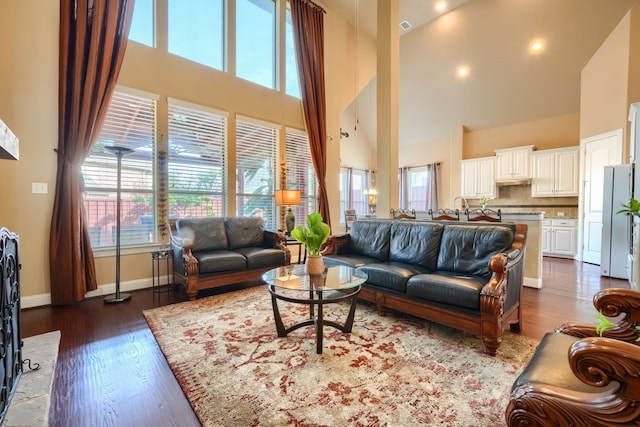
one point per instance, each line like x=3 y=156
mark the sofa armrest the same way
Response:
x=184 y=262
x=612 y=303
x=334 y=243
x=598 y=361
x=275 y=240
x=507 y=276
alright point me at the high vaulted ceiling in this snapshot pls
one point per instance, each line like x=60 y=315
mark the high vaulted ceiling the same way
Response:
x=507 y=84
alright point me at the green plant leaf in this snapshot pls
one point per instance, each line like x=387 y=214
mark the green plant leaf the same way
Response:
x=633 y=207
x=603 y=323
x=314 y=235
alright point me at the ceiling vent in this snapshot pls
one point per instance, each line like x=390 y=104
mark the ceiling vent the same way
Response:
x=405 y=25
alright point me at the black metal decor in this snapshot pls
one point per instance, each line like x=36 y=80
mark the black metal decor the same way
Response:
x=10 y=338
x=119 y=152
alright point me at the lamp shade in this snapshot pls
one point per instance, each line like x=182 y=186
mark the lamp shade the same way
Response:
x=287 y=197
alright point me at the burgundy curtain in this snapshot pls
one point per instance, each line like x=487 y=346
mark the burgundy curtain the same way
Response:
x=93 y=37
x=308 y=31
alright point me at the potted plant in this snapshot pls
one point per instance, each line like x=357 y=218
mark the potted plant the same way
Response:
x=633 y=207
x=313 y=236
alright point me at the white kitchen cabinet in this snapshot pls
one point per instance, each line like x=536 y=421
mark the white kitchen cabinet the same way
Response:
x=478 y=177
x=555 y=172
x=514 y=163
x=559 y=237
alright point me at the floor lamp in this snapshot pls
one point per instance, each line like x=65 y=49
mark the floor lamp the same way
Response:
x=119 y=152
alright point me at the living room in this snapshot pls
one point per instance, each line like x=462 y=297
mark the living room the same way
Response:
x=29 y=105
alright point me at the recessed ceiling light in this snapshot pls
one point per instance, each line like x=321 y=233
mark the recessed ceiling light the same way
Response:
x=441 y=6
x=462 y=71
x=536 y=46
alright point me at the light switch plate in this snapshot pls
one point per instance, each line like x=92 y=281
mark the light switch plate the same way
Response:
x=39 y=188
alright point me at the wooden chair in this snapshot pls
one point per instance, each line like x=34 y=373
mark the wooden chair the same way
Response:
x=484 y=215
x=444 y=214
x=578 y=378
x=349 y=217
x=403 y=214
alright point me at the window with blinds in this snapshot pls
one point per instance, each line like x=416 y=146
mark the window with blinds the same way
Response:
x=197 y=161
x=130 y=123
x=300 y=174
x=256 y=161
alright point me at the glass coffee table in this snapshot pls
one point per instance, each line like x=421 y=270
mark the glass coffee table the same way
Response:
x=291 y=283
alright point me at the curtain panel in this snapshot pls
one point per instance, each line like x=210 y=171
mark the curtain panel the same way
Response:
x=308 y=30
x=93 y=38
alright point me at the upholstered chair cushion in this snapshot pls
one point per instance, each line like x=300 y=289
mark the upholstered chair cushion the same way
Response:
x=244 y=232
x=466 y=249
x=370 y=238
x=416 y=243
x=207 y=234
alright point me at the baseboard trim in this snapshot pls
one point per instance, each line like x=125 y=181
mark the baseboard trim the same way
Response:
x=40 y=300
x=532 y=282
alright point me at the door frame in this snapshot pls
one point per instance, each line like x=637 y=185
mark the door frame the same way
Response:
x=619 y=135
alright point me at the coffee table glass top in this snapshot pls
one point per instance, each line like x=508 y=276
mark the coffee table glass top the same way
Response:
x=295 y=277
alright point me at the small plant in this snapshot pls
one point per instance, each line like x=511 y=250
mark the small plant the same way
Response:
x=633 y=207
x=313 y=235
x=484 y=200
x=604 y=324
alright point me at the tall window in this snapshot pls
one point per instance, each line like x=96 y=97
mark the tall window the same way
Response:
x=418 y=185
x=142 y=24
x=356 y=187
x=130 y=123
x=196 y=31
x=256 y=41
x=197 y=161
x=256 y=160
x=291 y=73
x=300 y=174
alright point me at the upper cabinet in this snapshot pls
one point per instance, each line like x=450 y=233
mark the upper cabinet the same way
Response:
x=478 y=177
x=555 y=172
x=514 y=163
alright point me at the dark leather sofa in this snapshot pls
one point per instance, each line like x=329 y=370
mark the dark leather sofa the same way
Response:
x=464 y=275
x=212 y=252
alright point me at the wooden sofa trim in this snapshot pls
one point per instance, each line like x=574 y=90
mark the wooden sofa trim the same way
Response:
x=192 y=280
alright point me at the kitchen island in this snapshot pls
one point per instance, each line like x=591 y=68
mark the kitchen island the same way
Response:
x=533 y=247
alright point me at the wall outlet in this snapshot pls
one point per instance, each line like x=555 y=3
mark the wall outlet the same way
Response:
x=39 y=188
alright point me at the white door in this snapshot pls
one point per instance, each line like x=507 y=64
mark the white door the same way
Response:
x=599 y=151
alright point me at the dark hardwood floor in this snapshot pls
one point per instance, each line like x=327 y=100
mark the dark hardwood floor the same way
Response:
x=111 y=372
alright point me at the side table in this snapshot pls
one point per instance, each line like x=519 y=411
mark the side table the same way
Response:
x=291 y=241
x=157 y=256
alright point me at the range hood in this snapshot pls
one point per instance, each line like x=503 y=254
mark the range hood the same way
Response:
x=517 y=181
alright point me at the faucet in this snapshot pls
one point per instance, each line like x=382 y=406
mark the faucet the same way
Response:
x=464 y=200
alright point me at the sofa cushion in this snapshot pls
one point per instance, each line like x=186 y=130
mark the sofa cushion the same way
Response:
x=220 y=261
x=550 y=365
x=207 y=234
x=348 y=260
x=416 y=243
x=447 y=288
x=244 y=232
x=370 y=238
x=466 y=249
x=261 y=257
x=391 y=275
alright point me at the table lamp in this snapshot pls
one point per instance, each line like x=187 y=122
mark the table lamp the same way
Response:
x=288 y=198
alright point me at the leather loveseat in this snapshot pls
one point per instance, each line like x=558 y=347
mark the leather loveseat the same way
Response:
x=212 y=252
x=464 y=275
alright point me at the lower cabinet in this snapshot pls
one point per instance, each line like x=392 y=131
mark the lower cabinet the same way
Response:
x=559 y=237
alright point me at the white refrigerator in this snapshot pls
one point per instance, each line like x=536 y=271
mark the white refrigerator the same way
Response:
x=616 y=229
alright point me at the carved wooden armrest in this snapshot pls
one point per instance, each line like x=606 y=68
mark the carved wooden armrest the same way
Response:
x=612 y=303
x=332 y=243
x=598 y=361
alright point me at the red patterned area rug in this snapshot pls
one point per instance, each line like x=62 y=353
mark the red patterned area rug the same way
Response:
x=391 y=370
